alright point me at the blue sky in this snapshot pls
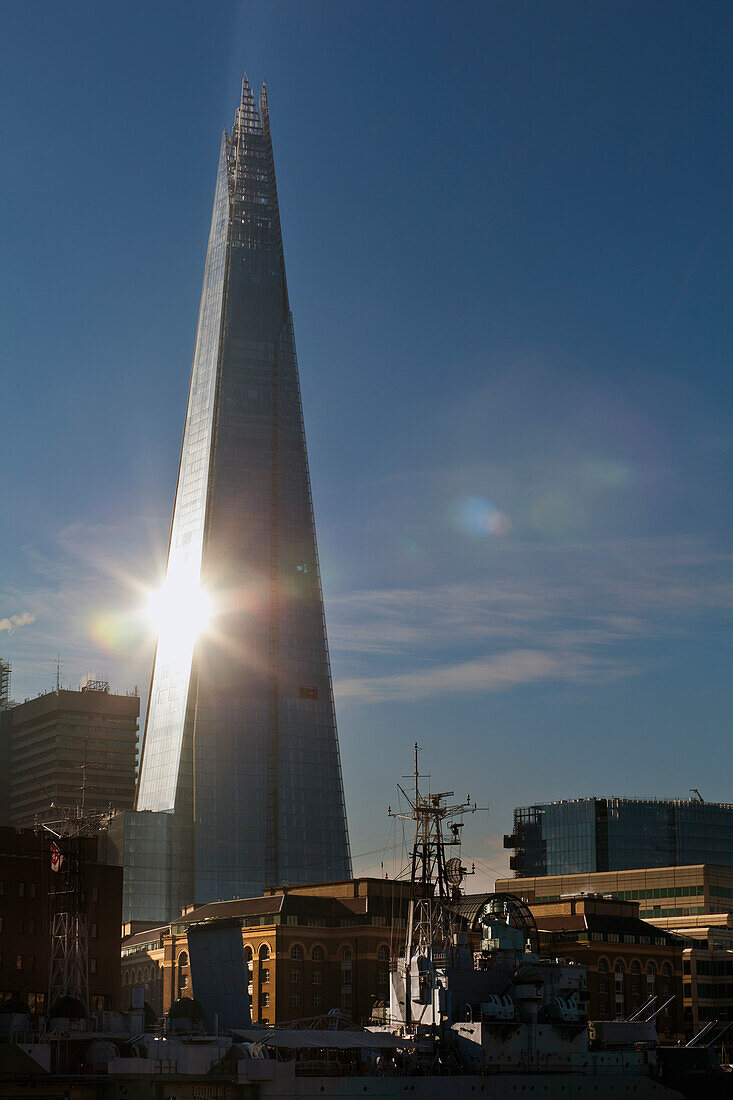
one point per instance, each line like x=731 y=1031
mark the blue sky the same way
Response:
x=508 y=239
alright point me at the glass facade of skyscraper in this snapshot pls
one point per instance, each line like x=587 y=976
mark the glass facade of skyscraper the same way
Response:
x=618 y=834
x=240 y=742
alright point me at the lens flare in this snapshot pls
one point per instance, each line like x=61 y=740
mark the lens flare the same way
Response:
x=479 y=516
x=180 y=610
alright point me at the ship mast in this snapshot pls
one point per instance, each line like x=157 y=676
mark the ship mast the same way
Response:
x=434 y=883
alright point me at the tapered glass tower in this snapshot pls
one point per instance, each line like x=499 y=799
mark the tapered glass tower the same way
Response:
x=240 y=743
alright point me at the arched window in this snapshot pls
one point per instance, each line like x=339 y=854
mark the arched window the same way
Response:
x=296 y=952
x=183 y=959
x=317 y=954
x=264 y=951
x=619 y=970
x=635 y=966
x=247 y=953
x=667 y=970
x=383 y=953
x=346 y=955
x=603 y=966
x=651 y=975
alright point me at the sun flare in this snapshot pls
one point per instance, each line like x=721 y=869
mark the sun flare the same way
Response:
x=180 y=610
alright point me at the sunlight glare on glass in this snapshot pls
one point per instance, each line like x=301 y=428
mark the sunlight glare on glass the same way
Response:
x=180 y=610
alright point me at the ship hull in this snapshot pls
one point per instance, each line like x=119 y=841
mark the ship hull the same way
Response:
x=508 y=1086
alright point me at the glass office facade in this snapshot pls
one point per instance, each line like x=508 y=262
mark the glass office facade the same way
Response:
x=618 y=834
x=240 y=743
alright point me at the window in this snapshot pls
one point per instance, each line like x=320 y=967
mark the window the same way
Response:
x=95 y=929
x=346 y=954
x=21 y=889
x=382 y=977
x=603 y=966
x=92 y=966
x=317 y=954
x=296 y=976
x=295 y=1000
x=635 y=966
x=264 y=999
x=603 y=986
x=317 y=1000
x=182 y=959
x=264 y=951
x=184 y=981
x=33 y=889
x=296 y=952
x=383 y=953
x=317 y=977
x=603 y=1008
x=31 y=926
x=265 y=975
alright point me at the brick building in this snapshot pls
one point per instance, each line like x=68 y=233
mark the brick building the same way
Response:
x=691 y=902
x=25 y=882
x=308 y=949
x=627 y=959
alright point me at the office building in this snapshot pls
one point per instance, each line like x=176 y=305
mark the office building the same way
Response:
x=240 y=750
x=69 y=748
x=616 y=834
x=308 y=949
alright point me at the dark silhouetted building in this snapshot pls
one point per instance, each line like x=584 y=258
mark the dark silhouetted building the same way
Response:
x=26 y=881
x=48 y=741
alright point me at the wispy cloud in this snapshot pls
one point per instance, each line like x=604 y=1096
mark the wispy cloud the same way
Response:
x=84 y=596
x=12 y=622
x=565 y=614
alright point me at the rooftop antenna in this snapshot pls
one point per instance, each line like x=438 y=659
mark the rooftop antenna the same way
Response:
x=58 y=672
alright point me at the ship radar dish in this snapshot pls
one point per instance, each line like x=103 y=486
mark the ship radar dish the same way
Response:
x=454 y=872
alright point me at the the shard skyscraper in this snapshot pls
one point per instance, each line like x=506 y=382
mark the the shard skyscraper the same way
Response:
x=240 y=747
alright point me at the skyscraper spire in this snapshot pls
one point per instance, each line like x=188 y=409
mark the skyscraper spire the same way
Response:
x=240 y=743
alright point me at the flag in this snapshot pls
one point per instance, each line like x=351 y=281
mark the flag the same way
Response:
x=57 y=856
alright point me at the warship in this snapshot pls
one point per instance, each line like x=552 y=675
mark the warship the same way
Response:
x=474 y=1010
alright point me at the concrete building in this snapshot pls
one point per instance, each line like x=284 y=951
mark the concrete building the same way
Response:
x=25 y=934
x=707 y=966
x=660 y=891
x=308 y=949
x=49 y=739
x=627 y=959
